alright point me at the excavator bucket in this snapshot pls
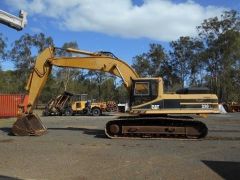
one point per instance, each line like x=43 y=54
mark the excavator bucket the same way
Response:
x=28 y=125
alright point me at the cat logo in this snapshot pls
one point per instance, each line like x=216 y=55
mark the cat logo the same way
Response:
x=155 y=106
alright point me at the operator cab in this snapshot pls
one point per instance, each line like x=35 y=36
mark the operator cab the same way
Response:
x=144 y=90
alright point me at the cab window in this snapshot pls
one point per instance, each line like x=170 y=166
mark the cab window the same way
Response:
x=141 y=88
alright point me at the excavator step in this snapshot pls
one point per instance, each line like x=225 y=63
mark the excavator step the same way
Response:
x=156 y=127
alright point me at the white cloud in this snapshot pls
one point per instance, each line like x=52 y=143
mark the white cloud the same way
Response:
x=155 y=19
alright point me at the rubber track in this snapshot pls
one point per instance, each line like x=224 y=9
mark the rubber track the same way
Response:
x=171 y=122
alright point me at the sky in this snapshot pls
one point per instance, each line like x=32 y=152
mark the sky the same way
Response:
x=123 y=27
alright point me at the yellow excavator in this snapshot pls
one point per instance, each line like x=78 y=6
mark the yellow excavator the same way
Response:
x=153 y=110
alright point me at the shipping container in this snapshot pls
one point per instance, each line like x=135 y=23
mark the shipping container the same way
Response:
x=9 y=104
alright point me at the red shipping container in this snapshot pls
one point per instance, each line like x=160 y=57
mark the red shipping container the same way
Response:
x=9 y=104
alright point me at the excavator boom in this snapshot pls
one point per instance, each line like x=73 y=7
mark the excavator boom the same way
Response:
x=29 y=124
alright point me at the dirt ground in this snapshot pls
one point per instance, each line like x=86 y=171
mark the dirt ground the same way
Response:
x=76 y=148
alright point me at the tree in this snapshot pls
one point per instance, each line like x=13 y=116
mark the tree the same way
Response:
x=98 y=78
x=108 y=89
x=8 y=82
x=141 y=64
x=24 y=52
x=185 y=56
x=2 y=47
x=122 y=95
x=155 y=63
x=66 y=75
x=148 y=64
x=221 y=38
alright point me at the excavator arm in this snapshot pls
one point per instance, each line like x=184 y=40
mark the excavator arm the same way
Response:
x=87 y=60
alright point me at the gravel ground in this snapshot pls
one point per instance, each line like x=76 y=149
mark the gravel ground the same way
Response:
x=76 y=148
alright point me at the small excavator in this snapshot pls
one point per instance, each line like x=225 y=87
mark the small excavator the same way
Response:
x=155 y=114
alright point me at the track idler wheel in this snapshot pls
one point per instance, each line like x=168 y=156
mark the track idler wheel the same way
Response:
x=28 y=125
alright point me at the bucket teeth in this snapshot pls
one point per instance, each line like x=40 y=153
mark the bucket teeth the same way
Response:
x=28 y=125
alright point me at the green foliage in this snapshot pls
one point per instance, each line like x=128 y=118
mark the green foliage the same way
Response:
x=148 y=64
x=108 y=89
x=24 y=51
x=9 y=82
x=221 y=38
x=64 y=76
x=156 y=63
x=23 y=55
x=3 y=45
x=26 y=48
x=122 y=95
x=186 y=58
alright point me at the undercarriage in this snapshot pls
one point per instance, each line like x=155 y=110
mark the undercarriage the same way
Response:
x=156 y=127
